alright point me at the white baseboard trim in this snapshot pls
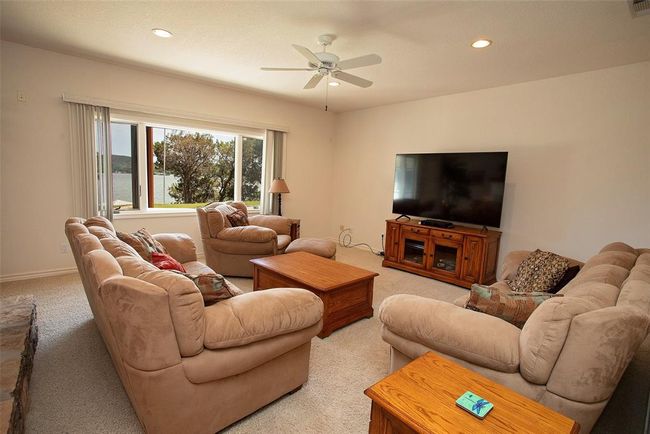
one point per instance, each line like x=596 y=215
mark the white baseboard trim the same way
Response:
x=37 y=274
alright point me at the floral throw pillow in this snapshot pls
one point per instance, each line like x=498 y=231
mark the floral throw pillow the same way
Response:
x=238 y=218
x=213 y=287
x=539 y=272
x=514 y=307
x=142 y=242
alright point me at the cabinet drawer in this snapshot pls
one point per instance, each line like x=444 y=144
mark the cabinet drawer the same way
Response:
x=447 y=235
x=416 y=230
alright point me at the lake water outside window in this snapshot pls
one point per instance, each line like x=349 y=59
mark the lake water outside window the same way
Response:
x=124 y=163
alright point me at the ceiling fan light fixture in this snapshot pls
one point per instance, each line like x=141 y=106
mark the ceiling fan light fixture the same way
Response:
x=481 y=43
x=162 y=33
x=334 y=83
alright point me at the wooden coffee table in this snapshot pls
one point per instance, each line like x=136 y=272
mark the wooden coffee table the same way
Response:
x=421 y=398
x=346 y=291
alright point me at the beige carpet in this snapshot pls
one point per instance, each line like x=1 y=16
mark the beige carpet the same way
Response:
x=75 y=389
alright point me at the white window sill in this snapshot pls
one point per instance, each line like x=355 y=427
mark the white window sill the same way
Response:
x=164 y=213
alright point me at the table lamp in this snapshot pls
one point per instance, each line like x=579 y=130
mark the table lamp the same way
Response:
x=279 y=186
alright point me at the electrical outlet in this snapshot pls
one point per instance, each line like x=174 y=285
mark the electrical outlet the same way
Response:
x=63 y=248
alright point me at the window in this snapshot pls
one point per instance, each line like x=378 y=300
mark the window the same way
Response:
x=124 y=162
x=183 y=166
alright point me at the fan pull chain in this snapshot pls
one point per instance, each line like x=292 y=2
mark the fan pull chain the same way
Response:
x=327 y=85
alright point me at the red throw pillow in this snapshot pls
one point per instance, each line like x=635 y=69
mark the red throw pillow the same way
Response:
x=166 y=262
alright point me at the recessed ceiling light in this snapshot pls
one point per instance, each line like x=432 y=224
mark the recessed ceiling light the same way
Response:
x=481 y=43
x=162 y=33
x=334 y=83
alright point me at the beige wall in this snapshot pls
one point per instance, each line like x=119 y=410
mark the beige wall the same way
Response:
x=35 y=168
x=579 y=157
x=578 y=173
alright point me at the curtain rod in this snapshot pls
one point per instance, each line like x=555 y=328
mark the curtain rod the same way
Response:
x=162 y=111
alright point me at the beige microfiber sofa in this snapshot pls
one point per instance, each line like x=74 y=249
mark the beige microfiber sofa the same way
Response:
x=186 y=367
x=228 y=250
x=571 y=352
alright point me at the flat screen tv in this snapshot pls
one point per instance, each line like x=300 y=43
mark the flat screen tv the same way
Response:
x=459 y=187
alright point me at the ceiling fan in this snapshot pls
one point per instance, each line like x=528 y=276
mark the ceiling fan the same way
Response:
x=328 y=64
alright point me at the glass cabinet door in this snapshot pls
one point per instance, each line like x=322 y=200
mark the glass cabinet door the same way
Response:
x=446 y=257
x=413 y=250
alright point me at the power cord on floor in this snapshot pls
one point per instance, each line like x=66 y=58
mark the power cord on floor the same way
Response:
x=345 y=240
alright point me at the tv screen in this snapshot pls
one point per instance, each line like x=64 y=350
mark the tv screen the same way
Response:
x=460 y=187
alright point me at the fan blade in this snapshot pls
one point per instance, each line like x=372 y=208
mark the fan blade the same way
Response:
x=352 y=79
x=308 y=54
x=314 y=81
x=357 y=62
x=287 y=69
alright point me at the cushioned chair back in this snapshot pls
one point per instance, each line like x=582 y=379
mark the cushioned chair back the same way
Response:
x=212 y=220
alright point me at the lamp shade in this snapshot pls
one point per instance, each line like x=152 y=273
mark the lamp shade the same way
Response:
x=279 y=186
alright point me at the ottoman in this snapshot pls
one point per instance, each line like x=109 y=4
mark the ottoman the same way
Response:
x=316 y=246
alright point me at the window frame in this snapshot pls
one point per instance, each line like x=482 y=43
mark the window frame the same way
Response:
x=144 y=163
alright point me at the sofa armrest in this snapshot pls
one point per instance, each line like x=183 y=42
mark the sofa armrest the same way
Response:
x=260 y=315
x=468 y=335
x=180 y=246
x=249 y=234
x=281 y=225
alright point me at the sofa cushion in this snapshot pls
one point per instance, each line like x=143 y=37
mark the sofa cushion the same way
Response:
x=635 y=293
x=612 y=274
x=511 y=306
x=477 y=338
x=543 y=336
x=600 y=293
x=598 y=348
x=249 y=234
x=618 y=247
x=213 y=365
x=134 y=266
x=99 y=221
x=611 y=257
x=640 y=272
x=260 y=315
x=216 y=222
x=643 y=259
x=101 y=232
x=117 y=248
x=185 y=306
x=539 y=272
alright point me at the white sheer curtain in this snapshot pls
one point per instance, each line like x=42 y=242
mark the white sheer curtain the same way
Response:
x=272 y=168
x=90 y=141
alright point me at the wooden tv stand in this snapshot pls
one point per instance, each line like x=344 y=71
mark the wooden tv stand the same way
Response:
x=460 y=255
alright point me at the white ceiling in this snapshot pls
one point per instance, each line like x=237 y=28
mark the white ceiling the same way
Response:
x=425 y=46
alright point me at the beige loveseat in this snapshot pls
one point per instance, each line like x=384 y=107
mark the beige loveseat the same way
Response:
x=570 y=354
x=228 y=250
x=186 y=367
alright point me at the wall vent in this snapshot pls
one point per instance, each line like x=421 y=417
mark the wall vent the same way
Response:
x=640 y=7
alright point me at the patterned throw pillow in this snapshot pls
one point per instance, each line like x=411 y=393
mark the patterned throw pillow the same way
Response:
x=539 y=272
x=514 y=307
x=238 y=218
x=166 y=262
x=567 y=277
x=213 y=287
x=142 y=242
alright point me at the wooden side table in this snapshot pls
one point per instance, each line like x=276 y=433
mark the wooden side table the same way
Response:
x=421 y=398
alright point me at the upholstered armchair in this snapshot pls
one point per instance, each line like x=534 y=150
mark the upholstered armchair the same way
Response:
x=228 y=249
